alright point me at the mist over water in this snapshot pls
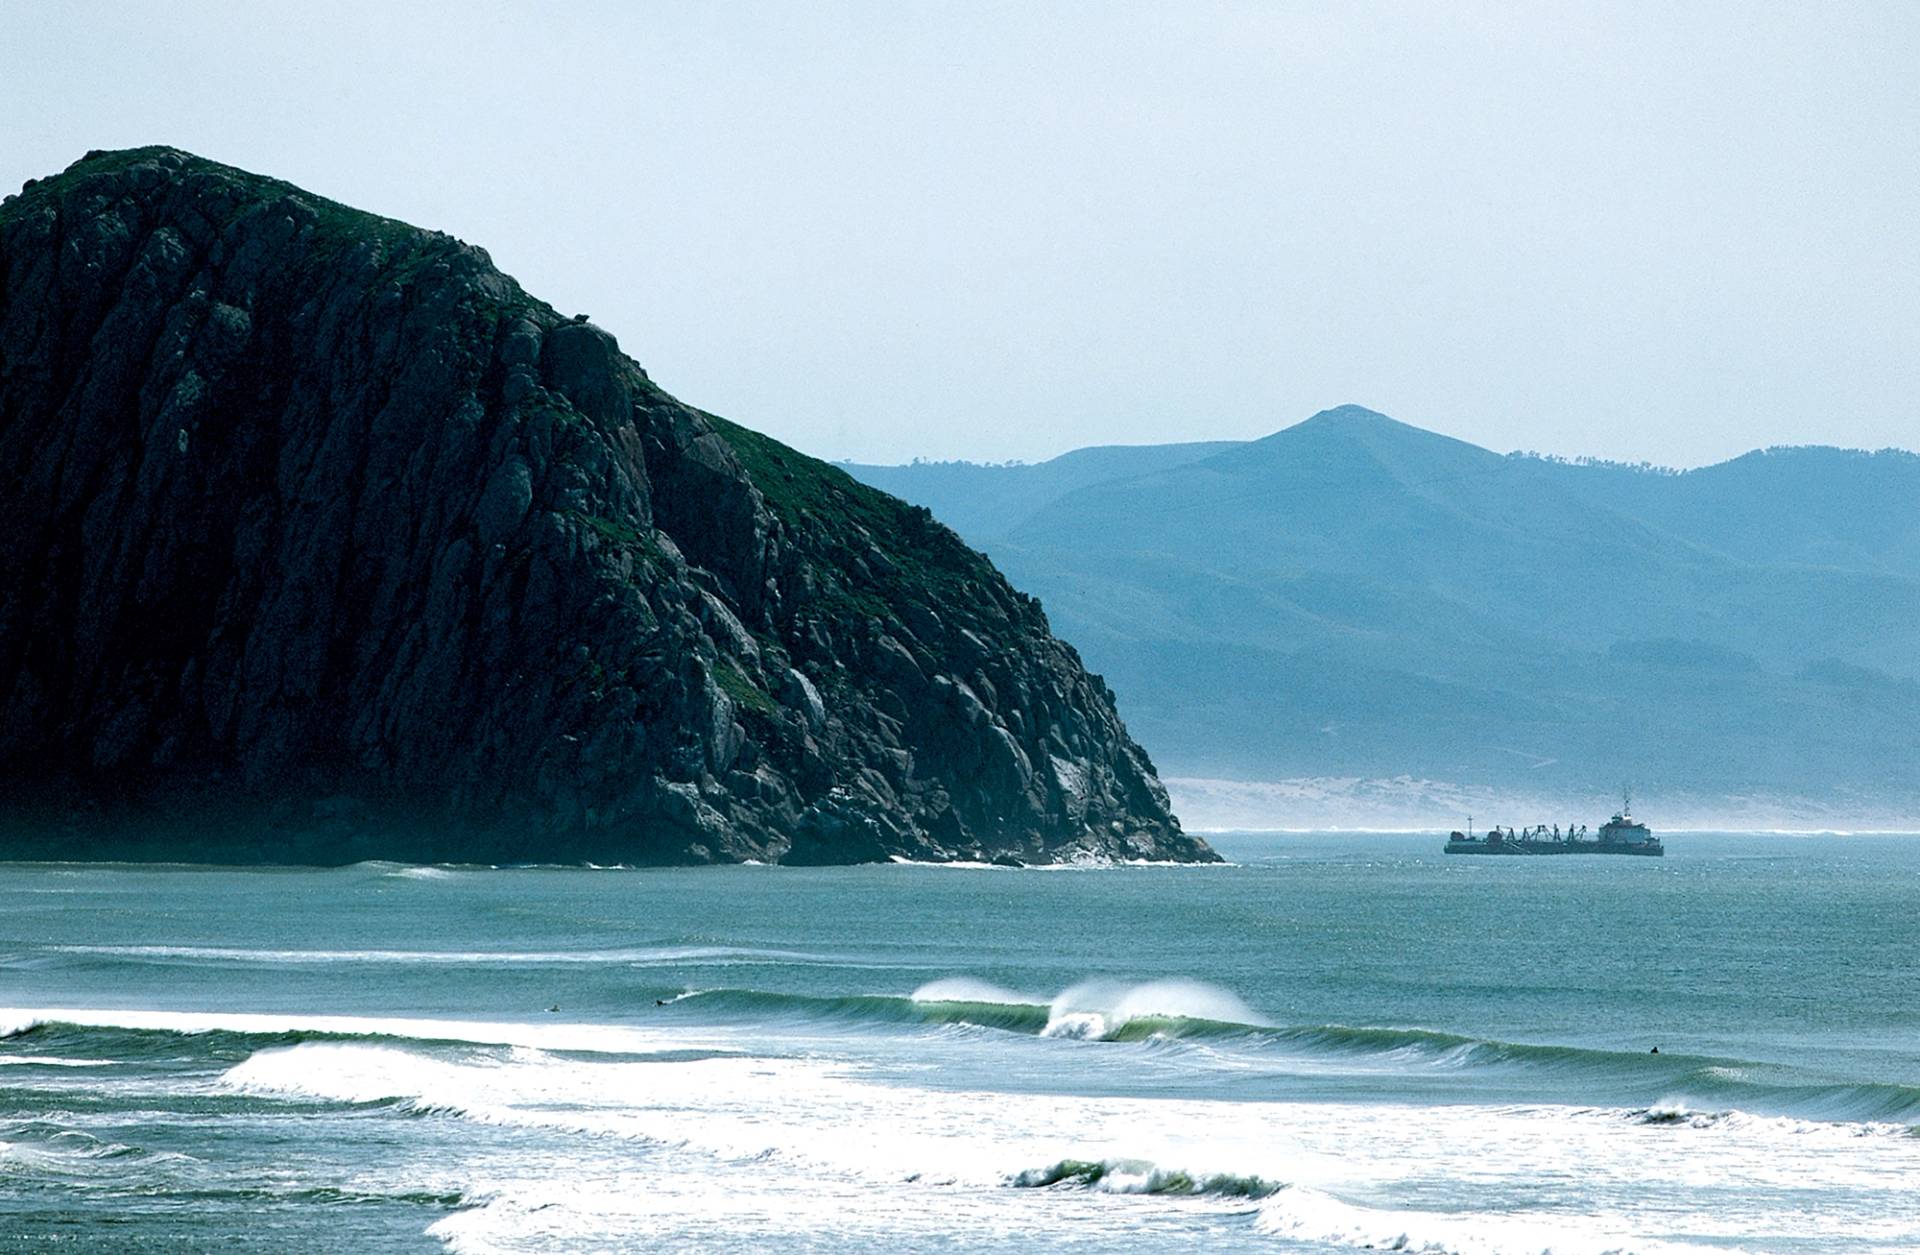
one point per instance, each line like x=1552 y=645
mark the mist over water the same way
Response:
x=1337 y=1043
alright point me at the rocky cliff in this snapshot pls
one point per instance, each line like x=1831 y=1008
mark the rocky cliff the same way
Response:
x=323 y=540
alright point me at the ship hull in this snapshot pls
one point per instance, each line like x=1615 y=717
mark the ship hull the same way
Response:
x=1554 y=847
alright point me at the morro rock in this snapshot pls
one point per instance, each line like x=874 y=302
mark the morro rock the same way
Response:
x=321 y=540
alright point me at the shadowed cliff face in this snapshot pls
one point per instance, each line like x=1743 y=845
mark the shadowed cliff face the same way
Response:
x=324 y=540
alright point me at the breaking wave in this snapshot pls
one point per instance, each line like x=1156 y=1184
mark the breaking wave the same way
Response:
x=772 y=1115
x=1091 y=1010
x=1137 y=1176
x=1669 y=1089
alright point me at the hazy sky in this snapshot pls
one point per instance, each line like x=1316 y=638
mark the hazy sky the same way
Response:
x=996 y=231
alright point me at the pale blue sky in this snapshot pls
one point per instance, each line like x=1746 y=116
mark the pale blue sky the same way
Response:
x=884 y=230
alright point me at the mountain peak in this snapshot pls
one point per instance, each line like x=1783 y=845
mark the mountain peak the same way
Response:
x=1356 y=431
x=1347 y=422
x=1351 y=414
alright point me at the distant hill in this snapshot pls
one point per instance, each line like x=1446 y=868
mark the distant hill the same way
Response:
x=1356 y=597
x=981 y=499
x=1812 y=506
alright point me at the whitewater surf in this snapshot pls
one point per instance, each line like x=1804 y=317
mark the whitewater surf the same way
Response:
x=1290 y=1054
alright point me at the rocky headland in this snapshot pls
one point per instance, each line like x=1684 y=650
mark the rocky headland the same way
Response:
x=323 y=541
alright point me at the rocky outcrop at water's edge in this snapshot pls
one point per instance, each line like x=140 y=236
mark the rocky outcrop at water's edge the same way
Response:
x=325 y=541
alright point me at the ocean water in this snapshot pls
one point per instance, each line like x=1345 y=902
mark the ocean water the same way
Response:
x=1339 y=1043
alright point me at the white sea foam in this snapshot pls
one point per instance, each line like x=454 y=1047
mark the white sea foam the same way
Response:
x=808 y=1144
x=793 y=1131
x=924 y=1152
x=1084 y=860
x=1314 y=1216
x=755 y=1109
x=718 y=1106
x=545 y=1034
x=423 y=873
x=901 y=860
x=1675 y=1114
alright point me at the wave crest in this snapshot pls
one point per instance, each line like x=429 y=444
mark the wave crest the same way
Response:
x=1094 y=1010
x=1111 y=1010
x=1136 y=1176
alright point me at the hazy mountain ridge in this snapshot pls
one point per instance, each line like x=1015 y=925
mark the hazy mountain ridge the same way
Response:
x=1353 y=596
x=977 y=499
x=330 y=542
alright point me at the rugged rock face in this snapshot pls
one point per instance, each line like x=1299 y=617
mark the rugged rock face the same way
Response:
x=323 y=540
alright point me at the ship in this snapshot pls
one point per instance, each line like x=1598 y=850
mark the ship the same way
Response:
x=1623 y=834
